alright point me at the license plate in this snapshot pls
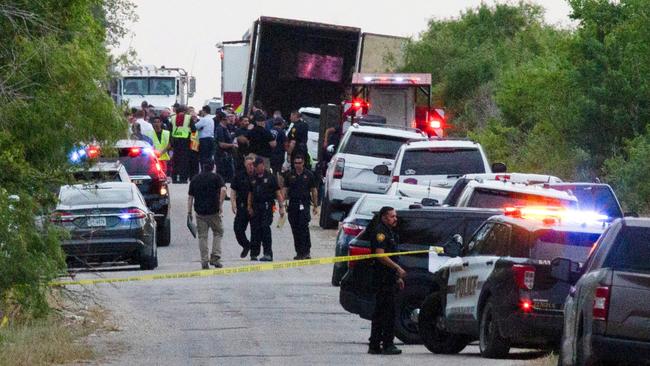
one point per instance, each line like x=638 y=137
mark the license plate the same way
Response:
x=382 y=179
x=96 y=221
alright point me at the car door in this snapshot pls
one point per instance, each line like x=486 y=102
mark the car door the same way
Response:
x=470 y=274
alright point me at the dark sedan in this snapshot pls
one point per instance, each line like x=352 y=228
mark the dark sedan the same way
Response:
x=107 y=222
x=357 y=220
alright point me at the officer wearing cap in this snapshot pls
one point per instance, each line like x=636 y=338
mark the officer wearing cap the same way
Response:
x=264 y=191
x=239 y=189
x=297 y=137
x=389 y=278
x=300 y=188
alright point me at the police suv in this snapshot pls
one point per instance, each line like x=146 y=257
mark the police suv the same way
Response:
x=500 y=290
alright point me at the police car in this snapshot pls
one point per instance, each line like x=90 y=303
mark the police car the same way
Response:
x=500 y=290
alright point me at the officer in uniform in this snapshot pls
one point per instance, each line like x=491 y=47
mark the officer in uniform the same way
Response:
x=389 y=277
x=264 y=190
x=239 y=189
x=160 y=139
x=181 y=131
x=300 y=189
x=297 y=137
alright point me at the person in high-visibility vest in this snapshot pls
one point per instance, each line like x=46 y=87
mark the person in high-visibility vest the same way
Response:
x=161 y=142
x=181 y=131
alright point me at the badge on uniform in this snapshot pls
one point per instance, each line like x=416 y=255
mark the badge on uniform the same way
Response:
x=381 y=237
x=266 y=180
x=293 y=130
x=302 y=207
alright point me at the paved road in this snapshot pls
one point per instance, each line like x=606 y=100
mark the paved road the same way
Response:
x=285 y=317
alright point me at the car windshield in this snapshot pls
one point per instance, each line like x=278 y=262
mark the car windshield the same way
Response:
x=551 y=244
x=599 y=199
x=442 y=161
x=139 y=165
x=370 y=205
x=97 y=176
x=631 y=251
x=149 y=86
x=492 y=198
x=373 y=145
x=94 y=195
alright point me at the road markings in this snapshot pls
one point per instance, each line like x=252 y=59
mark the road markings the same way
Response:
x=241 y=269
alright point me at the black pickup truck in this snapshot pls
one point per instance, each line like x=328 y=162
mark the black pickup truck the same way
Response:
x=418 y=229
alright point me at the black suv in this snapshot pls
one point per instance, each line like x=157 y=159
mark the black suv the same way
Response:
x=500 y=291
x=607 y=312
x=146 y=172
x=418 y=229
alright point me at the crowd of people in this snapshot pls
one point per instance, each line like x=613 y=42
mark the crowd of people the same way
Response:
x=263 y=158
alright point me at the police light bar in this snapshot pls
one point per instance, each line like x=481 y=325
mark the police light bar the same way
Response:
x=552 y=214
x=391 y=79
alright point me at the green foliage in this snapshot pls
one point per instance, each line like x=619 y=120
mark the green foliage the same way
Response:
x=53 y=68
x=544 y=99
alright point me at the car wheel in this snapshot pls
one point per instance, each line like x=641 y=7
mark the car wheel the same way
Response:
x=337 y=273
x=407 y=305
x=325 y=222
x=435 y=338
x=583 y=356
x=164 y=234
x=491 y=344
x=149 y=262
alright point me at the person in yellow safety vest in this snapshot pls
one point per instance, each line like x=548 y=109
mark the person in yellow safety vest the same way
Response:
x=181 y=130
x=161 y=142
x=195 y=144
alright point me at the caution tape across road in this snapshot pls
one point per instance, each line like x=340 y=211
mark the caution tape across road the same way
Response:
x=241 y=269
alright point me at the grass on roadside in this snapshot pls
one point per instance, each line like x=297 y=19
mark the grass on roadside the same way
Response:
x=57 y=339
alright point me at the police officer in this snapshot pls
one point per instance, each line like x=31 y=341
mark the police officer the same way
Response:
x=181 y=131
x=239 y=189
x=389 y=277
x=300 y=189
x=264 y=190
x=297 y=137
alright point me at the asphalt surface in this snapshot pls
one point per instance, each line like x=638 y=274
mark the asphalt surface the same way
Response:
x=284 y=317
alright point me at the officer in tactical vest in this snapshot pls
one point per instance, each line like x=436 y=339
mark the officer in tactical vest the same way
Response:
x=300 y=188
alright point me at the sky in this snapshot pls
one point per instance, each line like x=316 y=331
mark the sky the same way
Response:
x=184 y=33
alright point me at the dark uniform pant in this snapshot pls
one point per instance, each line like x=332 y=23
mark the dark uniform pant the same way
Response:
x=261 y=229
x=383 y=320
x=239 y=227
x=206 y=149
x=299 y=221
x=180 y=160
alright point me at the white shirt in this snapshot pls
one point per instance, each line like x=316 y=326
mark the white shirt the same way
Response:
x=145 y=127
x=205 y=126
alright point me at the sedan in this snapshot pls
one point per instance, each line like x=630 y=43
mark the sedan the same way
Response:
x=357 y=220
x=106 y=222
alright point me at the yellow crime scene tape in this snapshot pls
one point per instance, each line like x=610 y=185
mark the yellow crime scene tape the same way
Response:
x=243 y=269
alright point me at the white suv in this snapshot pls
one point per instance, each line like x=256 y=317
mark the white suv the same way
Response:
x=501 y=194
x=428 y=169
x=350 y=172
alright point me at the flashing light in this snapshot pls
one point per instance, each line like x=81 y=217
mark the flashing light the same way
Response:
x=526 y=305
x=357 y=104
x=434 y=123
x=81 y=152
x=148 y=151
x=133 y=213
x=134 y=151
x=92 y=152
x=399 y=79
x=158 y=167
x=163 y=191
x=551 y=215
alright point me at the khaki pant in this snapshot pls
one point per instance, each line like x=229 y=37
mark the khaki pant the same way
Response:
x=203 y=223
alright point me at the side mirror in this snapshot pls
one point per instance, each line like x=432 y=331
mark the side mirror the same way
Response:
x=454 y=246
x=430 y=202
x=631 y=214
x=330 y=149
x=499 y=168
x=381 y=170
x=565 y=270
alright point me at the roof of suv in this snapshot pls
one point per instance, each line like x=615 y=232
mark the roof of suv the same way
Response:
x=522 y=188
x=636 y=221
x=440 y=143
x=387 y=131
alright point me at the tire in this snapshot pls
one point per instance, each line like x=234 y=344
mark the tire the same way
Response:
x=325 y=222
x=491 y=344
x=406 y=301
x=583 y=359
x=164 y=234
x=149 y=262
x=337 y=274
x=435 y=339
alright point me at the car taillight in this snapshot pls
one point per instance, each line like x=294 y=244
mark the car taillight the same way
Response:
x=134 y=152
x=395 y=178
x=526 y=305
x=61 y=216
x=357 y=251
x=163 y=190
x=132 y=213
x=524 y=276
x=352 y=229
x=339 y=168
x=601 y=303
